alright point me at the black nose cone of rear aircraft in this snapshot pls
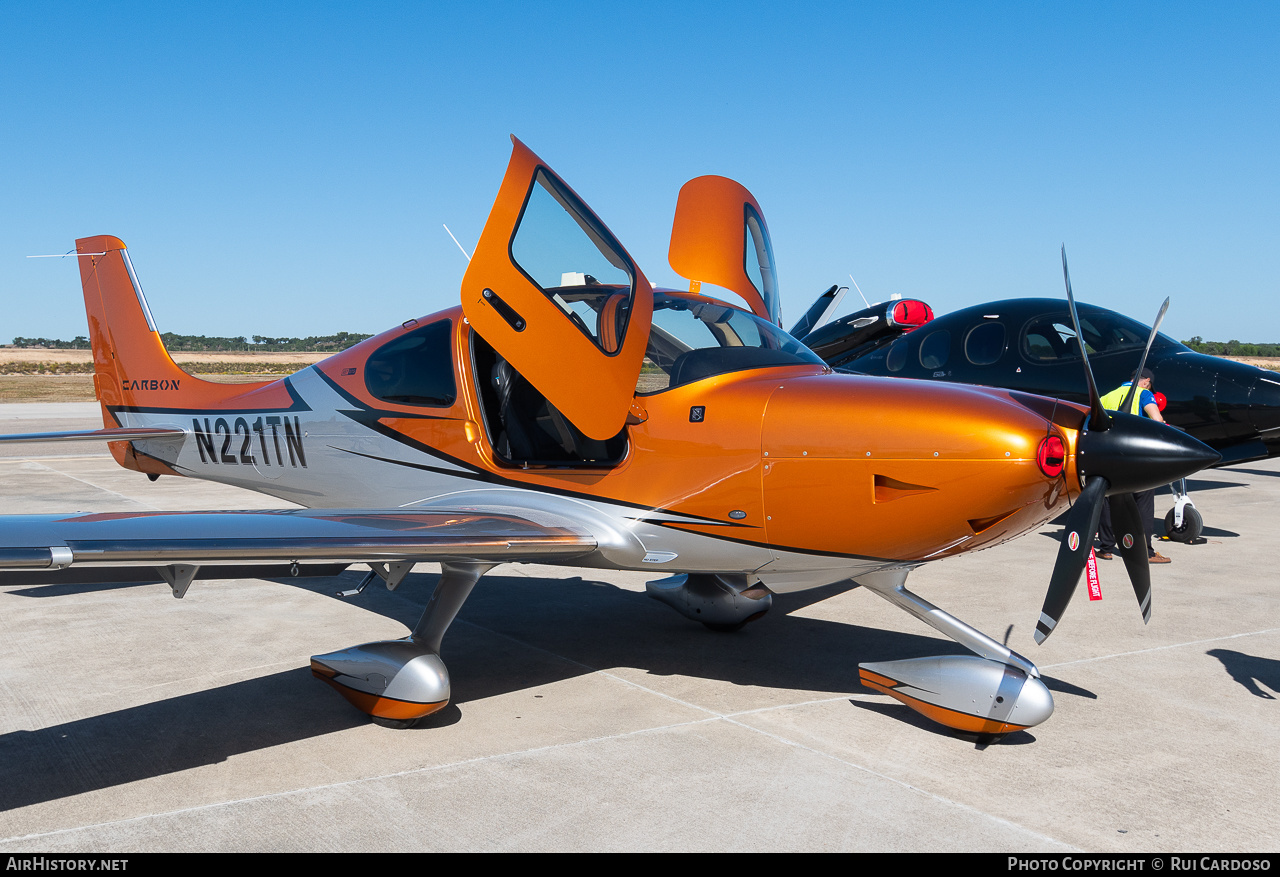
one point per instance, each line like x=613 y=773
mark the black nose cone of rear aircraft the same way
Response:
x=1138 y=454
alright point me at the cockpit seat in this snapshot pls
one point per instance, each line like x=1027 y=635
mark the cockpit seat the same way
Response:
x=534 y=431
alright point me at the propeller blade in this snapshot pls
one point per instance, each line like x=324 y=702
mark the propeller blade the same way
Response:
x=1099 y=420
x=1142 y=363
x=1077 y=540
x=1131 y=542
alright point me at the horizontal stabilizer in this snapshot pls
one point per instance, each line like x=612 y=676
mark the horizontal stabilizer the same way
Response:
x=116 y=434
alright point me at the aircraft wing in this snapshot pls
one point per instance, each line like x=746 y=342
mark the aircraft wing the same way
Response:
x=192 y=539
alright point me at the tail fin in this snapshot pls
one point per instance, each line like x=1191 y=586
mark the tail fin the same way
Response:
x=132 y=368
x=130 y=364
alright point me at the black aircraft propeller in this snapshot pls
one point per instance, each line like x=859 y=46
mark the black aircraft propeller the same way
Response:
x=1142 y=363
x=1117 y=455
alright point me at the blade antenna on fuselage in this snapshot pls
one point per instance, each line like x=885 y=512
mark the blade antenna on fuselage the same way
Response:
x=1099 y=420
x=859 y=288
x=1142 y=363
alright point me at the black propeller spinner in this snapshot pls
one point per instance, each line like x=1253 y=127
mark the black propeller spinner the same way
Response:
x=1117 y=454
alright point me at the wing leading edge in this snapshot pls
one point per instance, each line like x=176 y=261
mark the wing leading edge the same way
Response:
x=162 y=539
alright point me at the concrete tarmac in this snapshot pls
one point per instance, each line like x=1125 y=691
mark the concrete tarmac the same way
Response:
x=587 y=716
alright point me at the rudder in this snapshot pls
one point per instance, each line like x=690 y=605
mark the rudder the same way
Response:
x=130 y=363
x=132 y=368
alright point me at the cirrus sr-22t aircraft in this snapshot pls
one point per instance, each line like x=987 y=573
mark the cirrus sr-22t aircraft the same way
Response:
x=567 y=412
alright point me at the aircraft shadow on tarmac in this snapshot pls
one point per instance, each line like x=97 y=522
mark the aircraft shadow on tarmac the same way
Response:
x=513 y=633
x=1267 y=472
x=1158 y=531
x=1250 y=670
x=1216 y=532
x=1194 y=485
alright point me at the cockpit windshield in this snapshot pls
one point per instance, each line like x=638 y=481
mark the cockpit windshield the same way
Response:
x=1051 y=338
x=694 y=338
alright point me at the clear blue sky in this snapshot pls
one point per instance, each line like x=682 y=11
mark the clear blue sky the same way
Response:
x=284 y=169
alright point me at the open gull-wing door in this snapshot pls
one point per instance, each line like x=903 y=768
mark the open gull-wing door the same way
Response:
x=719 y=236
x=556 y=295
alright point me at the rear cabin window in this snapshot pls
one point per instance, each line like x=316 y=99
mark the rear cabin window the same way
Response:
x=985 y=343
x=896 y=361
x=936 y=349
x=415 y=369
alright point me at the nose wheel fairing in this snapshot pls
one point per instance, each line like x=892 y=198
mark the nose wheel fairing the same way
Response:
x=963 y=692
x=994 y=693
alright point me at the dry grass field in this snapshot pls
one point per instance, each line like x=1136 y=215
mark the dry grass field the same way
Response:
x=44 y=375
x=1267 y=362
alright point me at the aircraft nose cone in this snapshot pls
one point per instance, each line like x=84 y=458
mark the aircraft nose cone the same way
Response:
x=1138 y=454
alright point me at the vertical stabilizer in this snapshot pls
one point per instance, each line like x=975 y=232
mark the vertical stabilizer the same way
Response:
x=131 y=366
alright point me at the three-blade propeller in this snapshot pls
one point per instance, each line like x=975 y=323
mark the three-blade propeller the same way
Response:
x=1116 y=455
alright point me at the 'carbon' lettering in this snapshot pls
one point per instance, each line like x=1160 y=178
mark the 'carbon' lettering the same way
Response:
x=150 y=384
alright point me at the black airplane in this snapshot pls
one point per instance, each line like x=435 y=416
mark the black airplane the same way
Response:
x=1029 y=344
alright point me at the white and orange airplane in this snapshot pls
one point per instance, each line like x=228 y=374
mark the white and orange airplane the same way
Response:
x=567 y=412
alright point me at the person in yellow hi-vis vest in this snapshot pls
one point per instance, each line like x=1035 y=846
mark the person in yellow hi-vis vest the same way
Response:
x=1144 y=403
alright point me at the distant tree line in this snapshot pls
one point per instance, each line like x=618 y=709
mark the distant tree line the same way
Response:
x=262 y=343
x=1232 y=348
x=80 y=343
x=193 y=343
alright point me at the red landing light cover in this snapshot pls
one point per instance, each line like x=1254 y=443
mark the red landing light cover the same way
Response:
x=912 y=313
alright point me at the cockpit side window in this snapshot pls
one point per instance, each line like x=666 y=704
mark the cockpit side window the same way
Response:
x=1042 y=343
x=1050 y=338
x=696 y=338
x=416 y=368
x=576 y=263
